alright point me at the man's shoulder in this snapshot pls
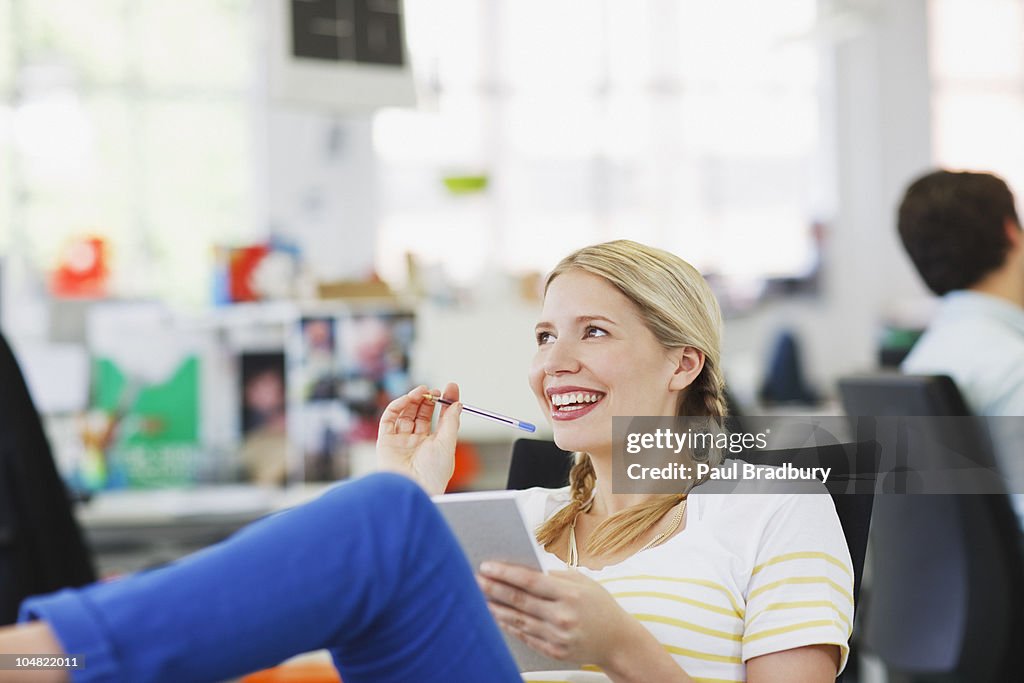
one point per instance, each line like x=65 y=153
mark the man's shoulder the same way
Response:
x=955 y=343
x=985 y=359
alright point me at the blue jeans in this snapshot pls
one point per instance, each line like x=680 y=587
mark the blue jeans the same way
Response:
x=369 y=571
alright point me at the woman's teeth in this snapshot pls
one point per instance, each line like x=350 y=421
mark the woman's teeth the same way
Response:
x=573 y=401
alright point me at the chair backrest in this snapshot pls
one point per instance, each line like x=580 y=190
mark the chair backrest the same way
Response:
x=895 y=394
x=945 y=598
x=542 y=463
x=536 y=462
x=41 y=545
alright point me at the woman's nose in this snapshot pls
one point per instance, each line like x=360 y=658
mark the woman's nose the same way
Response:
x=561 y=358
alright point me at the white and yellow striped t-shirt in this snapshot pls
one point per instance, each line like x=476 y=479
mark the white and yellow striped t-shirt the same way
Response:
x=750 y=574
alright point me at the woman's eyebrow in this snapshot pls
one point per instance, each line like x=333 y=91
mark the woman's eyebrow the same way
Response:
x=592 y=318
x=580 y=320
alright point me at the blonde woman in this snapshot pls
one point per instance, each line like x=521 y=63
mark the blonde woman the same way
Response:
x=666 y=588
x=693 y=587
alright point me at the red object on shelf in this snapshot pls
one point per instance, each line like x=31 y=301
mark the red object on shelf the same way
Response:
x=82 y=271
x=242 y=264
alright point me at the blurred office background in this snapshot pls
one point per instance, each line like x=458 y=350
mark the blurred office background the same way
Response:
x=217 y=263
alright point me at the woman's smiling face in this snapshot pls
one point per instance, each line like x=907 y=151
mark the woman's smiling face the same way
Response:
x=596 y=358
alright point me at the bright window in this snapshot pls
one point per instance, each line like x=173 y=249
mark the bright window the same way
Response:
x=131 y=120
x=690 y=124
x=977 y=65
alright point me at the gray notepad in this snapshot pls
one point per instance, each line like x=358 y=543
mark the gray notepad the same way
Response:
x=491 y=526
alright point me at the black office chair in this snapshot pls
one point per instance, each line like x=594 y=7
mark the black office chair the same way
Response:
x=41 y=545
x=536 y=462
x=542 y=463
x=946 y=600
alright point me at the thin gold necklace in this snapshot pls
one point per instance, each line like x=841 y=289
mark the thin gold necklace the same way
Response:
x=573 y=556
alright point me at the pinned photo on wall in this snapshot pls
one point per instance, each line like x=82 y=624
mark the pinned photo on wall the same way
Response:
x=324 y=441
x=343 y=369
x=374 y=368
x=319 y=359
x=263 y=418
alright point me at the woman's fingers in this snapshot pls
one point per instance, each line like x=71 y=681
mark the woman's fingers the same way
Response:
x=409 y=421
x=518 y=600
x=540 y=645
x=537 y=633
x=450 y=393
x=389 y=418
x=519 y=621
x=412 y=412
x=400 y=415
x=450 y=418
x=424 y=412
x=509 y=596
x=525 y=579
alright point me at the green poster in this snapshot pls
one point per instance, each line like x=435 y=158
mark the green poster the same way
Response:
x=154 y=440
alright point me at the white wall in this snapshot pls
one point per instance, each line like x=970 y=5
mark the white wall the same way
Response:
x=880 y=109
x=315 y=171
x=321 y=189
x=487 y=350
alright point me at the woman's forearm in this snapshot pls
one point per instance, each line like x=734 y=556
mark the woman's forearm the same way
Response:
x=35 y=638
x=641 y=658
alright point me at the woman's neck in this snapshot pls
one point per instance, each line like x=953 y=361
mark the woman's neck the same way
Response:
x=607 y=503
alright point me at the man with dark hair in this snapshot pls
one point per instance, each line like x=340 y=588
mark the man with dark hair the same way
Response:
x=962 y=232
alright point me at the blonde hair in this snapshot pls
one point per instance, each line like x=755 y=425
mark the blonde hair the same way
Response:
x=679 y=308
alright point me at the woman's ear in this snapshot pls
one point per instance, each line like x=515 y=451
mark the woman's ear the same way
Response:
x=689 y=362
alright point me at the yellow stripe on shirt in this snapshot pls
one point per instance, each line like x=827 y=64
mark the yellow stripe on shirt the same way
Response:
x=697 y=654
x=687 y=625
x=676 y=579
x=800 y=604
x=802 y=580
x=804 y=556
x=679 y=598
x=767 y=633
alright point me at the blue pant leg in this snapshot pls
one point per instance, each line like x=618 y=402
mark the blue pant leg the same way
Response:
x=436 y=626
x=369 y=570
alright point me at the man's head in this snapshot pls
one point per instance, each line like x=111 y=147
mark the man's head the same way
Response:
x=957 y=227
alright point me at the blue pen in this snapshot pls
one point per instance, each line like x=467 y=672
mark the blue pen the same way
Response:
x=497 y=417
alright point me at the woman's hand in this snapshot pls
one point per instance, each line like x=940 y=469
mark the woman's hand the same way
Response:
x=406 y=445
x=563 y=614
x=568 y=616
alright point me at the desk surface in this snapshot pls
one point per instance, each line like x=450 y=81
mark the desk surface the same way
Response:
x=174 y=506
x=133 y=530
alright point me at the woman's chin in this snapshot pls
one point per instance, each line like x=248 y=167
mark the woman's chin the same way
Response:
x=574 y=442
x=587 y=431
